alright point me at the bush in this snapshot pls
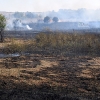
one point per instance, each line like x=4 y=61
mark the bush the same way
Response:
x=89 y=43
x=58 y=42
x=14 y=47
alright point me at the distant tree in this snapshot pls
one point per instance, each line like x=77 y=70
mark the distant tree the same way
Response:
x=29 y=15
x=46 y=19
x=16 y=24
x=18 y=15
x=55 y=19
x=2 y=26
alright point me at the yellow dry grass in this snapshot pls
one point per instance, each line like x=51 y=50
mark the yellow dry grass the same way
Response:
x=17 y=72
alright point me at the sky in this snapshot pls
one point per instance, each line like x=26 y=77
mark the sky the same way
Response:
x=46 y=5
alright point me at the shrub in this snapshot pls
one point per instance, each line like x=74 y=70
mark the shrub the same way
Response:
x=58 y=42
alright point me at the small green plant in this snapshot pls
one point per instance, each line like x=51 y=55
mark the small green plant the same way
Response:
x=2 y=26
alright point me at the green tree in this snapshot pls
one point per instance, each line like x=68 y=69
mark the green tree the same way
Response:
x=55 y=19
x=46 y=19
x=2 y=26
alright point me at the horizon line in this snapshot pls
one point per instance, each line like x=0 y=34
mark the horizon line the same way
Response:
x=51 y=10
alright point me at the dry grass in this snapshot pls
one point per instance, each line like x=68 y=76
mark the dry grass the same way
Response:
x=55 y=43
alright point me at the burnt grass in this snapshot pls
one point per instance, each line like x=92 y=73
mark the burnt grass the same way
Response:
x=72 y=85
x=76 y=77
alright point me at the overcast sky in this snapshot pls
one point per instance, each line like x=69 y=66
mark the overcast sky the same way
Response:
x=46 y=5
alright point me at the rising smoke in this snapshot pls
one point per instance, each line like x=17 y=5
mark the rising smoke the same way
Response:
x=85 y=18
x=16 y=24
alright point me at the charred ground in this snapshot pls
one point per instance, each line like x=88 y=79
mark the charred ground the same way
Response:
x=51 y=72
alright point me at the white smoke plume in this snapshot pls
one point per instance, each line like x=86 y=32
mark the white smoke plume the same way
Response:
x=16 y=24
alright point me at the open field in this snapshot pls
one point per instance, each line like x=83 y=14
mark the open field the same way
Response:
x=51 y=67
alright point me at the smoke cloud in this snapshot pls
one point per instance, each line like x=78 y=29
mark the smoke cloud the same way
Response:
x=47 y=5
